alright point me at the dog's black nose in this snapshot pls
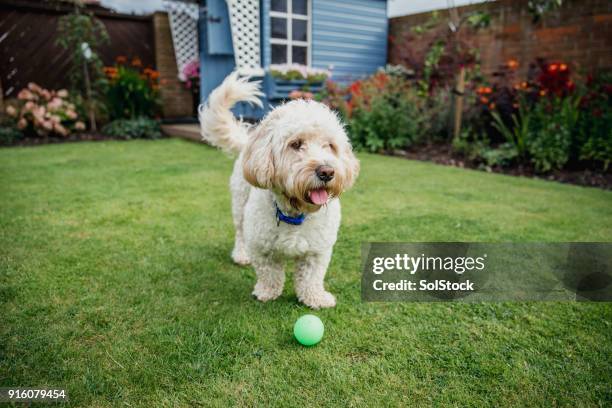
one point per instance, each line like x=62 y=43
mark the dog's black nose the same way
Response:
x=325 y=173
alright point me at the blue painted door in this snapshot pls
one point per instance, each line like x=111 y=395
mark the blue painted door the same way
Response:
x=218 y=29
x=216 y=59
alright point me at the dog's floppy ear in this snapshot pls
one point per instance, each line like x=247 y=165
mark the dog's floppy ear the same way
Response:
x=257 y=159
x=350 y=164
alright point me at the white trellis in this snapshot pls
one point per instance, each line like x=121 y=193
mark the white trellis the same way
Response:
x=244 y=18
x=184 y=27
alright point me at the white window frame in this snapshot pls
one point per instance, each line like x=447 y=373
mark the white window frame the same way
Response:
x=289 y=42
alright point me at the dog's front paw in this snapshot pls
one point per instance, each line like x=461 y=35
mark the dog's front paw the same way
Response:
x=240 y=256
x=264 y=293
x=318 y=300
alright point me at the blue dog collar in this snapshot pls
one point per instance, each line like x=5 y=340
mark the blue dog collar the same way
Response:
x=287 y=219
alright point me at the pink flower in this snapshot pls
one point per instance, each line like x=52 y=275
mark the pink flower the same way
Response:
x=72 y=115
x=307 y=95
x=62 y=93
x=55 y=119
x=45 y=94
x=295 y=94
x=34 y=88
x=79 y=125
x=60 y=129
x=22 y=123
x=29 y=106
x=47 y=125
x=55 y=104
x=11 y=111
x=25 y=95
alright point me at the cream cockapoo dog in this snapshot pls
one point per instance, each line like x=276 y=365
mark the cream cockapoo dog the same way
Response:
x=291 y=169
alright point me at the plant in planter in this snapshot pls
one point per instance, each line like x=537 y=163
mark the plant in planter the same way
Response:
x=191 y=75
x=286 y=78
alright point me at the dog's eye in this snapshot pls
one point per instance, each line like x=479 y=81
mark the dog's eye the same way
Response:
x=296 y=145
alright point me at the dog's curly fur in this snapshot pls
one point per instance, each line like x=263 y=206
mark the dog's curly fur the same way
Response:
x=277 y=166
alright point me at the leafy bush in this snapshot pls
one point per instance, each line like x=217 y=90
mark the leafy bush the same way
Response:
x=549 y=140
x=132 y=93
x=9 y=135
x=551 y=121
x=477 y=148
x=595 y=121
x=40 y=112
x=383 y=113
x=139 y=128
x=435 y=113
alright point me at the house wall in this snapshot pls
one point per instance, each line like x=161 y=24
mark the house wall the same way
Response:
x=349 y=36
x=579 y=33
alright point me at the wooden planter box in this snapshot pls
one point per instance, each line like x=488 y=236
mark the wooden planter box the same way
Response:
x=280 y=89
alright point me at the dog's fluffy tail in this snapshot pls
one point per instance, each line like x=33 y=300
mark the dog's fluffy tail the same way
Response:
x=218 y=126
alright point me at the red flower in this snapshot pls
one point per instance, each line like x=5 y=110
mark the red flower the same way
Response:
x=355 y=88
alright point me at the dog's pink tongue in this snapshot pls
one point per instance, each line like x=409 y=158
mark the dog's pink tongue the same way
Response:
x=319 y=197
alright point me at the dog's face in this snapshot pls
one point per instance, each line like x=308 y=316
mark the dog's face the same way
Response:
x=300 y=150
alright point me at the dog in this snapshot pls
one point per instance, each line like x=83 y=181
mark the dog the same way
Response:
x=290 y=172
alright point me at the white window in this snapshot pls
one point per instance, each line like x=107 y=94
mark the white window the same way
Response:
x=290 y=31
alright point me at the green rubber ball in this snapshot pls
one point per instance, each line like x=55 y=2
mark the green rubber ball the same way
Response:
x=308 y=330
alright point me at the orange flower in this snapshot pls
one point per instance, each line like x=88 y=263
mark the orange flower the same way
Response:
x=121 y=59
x=512 y=64
x=553 y=67
x=136 y=62
x=543 y=92
x=111 y=72
x=484 y=90
x=492 y=105
x=562 y=67
x=484 y=100
x=524 y=85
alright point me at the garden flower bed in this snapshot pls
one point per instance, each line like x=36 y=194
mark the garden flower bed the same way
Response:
x=553 y=124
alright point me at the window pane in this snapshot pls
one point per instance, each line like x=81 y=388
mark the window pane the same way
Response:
x=299 y=55
x=300 y=30
x=279 y=54
x=300 y=7
x=279 y=27
x=279 y=5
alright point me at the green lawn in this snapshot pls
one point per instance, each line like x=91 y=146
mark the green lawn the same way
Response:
x=116 y=283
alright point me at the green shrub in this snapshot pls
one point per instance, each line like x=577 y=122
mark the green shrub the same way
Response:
x=595 y=122
x=478 y=149
x=140 y=128
x=387 y=123
x=9 y=135
x=131 y=93
x=550 y=136
x=383 y=113
x=542 y=132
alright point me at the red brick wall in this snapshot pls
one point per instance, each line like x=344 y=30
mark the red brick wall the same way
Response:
x=176 y=99
x=579 y=33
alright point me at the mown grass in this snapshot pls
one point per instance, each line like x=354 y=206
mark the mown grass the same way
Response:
x=116 y=283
